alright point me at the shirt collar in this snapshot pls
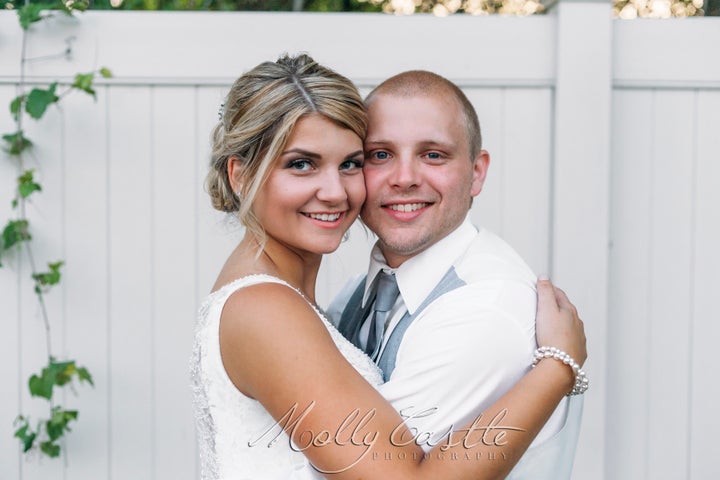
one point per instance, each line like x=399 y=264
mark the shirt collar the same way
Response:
x=417 y=276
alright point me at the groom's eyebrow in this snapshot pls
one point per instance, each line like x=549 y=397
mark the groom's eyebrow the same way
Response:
x=377 y=141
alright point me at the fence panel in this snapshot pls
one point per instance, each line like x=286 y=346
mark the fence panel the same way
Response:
x=601 y=139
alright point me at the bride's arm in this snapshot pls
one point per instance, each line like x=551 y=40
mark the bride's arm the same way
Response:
x=276 y=351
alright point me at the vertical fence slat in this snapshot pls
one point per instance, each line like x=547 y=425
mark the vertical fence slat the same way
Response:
x=14 y=381
x=670 y=285
x=217 y=234
x=45 y=212
x=527 y=190
x=704 y=422
x=487 y=210
x=131 y=283
x=86 y=278
x=581 y=196
x=628 y=290
x=174 y=223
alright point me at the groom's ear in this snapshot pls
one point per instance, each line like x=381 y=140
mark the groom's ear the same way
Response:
x=236 y=173
x=481 y=163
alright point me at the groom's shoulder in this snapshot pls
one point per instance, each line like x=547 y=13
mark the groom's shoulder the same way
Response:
x=490 y=258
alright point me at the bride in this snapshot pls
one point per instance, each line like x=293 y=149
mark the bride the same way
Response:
x=278 y=392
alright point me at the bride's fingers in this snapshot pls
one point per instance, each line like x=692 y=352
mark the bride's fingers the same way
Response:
x=547 y=297
x=564 y=302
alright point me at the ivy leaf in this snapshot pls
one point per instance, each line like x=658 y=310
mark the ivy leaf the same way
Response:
x=50 y=449
x=16 y=143
x=56 y=373
x=48 y=279
x=58 y=423
x=26 y=437
x=29 y=14
x=63 y=372
x=41 y=386
x=84 y=376
x=27 y=185
x=39 y=99
x=15 y=106
x=105 y=72
x=84 y=82
x=15 y=231
x=79 y=5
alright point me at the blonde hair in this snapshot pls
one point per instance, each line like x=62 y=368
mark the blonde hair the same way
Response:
x=259 y=114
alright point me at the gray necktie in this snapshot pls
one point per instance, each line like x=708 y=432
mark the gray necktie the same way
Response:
x=387 y=292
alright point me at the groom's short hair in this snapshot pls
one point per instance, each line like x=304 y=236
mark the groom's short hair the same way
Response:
x=415 y=83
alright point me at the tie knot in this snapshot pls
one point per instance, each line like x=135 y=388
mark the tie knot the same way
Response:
x=387 y=292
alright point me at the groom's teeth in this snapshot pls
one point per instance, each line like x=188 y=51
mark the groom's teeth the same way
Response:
x=407 y=207
x=325 y=217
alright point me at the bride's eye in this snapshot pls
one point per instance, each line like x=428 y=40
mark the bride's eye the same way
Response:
x=351 y=164
x=300 y=165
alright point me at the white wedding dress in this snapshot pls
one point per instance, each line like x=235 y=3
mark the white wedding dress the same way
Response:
x=238 y=438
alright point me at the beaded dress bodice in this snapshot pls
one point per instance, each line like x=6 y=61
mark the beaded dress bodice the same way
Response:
x=238 y=439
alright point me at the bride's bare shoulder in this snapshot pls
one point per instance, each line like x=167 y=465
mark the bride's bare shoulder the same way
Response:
x=259 y=321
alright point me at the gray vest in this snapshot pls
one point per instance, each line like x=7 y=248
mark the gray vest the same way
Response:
x=354 y=315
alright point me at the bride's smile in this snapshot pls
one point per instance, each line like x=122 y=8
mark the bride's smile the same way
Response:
x=315 y=188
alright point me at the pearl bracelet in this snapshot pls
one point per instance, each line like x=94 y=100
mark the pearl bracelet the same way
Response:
x=582 y=382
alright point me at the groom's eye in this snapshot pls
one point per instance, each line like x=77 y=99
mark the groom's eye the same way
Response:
x=381 y=155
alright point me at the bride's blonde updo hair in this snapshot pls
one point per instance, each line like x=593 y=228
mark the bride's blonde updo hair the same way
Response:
x=258 y=115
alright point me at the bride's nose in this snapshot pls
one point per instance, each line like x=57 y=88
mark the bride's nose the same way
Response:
x=331 y=189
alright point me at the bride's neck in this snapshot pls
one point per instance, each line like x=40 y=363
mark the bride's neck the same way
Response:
x=299 y=269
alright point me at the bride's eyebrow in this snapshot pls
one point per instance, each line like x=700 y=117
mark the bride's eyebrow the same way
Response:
x=302 y=152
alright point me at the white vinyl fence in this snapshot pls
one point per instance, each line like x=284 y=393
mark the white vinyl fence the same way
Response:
x=605 y=144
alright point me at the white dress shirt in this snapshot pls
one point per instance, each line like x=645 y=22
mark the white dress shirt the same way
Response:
x=470 y=345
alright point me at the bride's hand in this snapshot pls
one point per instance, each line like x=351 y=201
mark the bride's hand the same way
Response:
x=557 y=322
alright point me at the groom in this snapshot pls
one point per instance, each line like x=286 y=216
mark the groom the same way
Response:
x=452 y=325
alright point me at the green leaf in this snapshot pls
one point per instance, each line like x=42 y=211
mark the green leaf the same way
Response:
x=16 y=143
x=29 y=14
x=57 y=373
x=46 y=279
x=15 y=106
x=84 y=376
x=78 y=5
x=27 y=185
x=58 y=423
x=63 y=372
x=15 y=231
x=105 y=72
x=50 y=449
x=26 y=437
x=84 y=82
x=39 y=99
x=41 y=386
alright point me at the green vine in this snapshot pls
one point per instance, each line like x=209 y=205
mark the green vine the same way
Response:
x=45 y=434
